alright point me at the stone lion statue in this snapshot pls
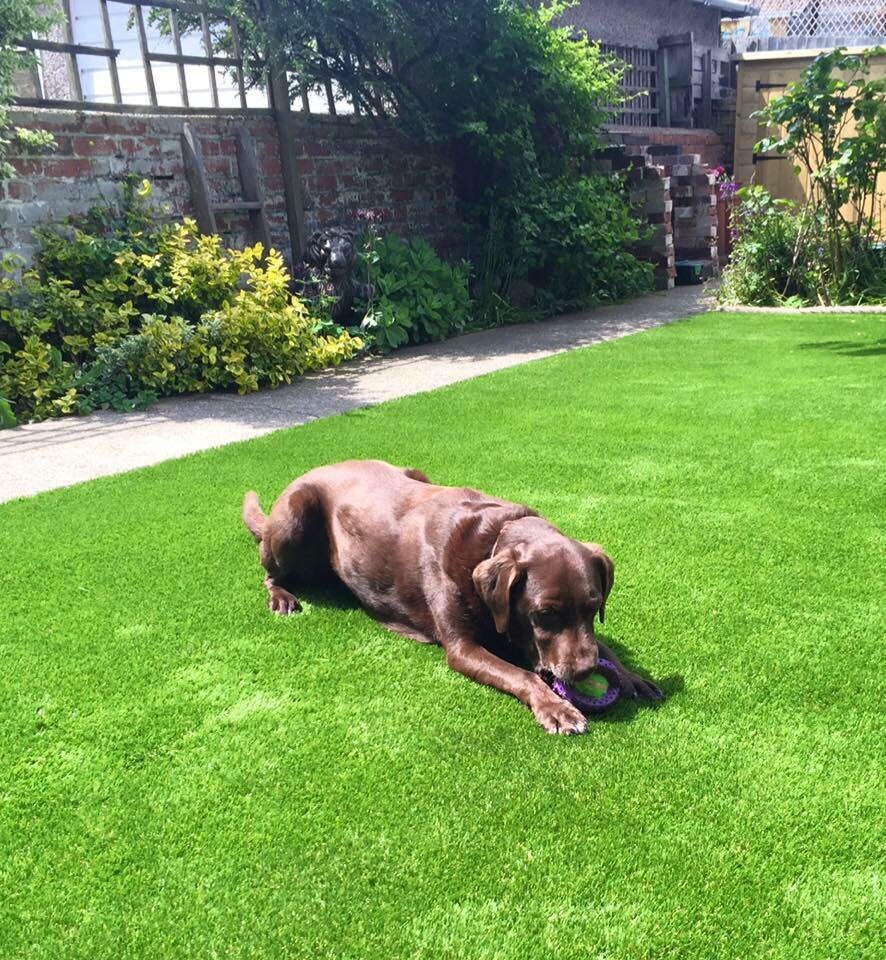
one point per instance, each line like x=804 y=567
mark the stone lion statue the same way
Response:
x=332 y=254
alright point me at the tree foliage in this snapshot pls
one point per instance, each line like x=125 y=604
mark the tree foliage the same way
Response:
x=520 y=100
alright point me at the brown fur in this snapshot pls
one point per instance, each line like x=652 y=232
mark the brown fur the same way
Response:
x=448 y=565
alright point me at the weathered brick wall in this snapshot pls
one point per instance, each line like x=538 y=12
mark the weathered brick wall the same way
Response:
x=707 y=143
x=95 y=151
x=346 y=164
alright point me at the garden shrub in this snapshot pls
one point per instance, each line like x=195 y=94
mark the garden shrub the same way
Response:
x=766 y=233
x=417 y=296
x=577 y=251
x=780 y=257
x=117 y=312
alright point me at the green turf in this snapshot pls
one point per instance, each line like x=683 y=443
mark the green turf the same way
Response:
x=184 y=775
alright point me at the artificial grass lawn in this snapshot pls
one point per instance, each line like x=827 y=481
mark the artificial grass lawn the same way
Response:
x=184 y=775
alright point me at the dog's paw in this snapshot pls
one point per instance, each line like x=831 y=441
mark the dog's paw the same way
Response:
x=645 y=689
x=282 y=602
x=559 y=716
x=635 y=687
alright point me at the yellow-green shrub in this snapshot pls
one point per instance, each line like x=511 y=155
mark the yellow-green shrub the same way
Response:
x=117 y=312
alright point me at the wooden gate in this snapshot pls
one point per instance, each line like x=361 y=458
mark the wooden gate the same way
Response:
x=762 y=76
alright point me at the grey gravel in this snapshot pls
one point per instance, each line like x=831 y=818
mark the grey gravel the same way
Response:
x=57 y=453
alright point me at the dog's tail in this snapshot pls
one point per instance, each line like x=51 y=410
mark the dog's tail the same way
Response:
x=253 y=516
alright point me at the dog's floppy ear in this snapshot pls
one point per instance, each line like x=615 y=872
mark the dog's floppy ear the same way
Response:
x=494 y=579
x=605 y=573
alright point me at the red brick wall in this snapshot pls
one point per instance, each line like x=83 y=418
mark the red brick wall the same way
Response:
x=706 y=143
x=346 y=164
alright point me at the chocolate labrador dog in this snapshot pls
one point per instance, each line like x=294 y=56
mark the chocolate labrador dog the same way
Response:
x=452 y=566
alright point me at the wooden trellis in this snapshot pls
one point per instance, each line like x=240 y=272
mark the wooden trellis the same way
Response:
x=71 y=51
x=206 y=16
x=811 y=24
x=640 y=86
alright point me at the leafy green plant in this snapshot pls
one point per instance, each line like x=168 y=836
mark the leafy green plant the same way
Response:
x=579 y=250
x=766 y=233
x=780 y=258
x=117 y=312
x=417 y=296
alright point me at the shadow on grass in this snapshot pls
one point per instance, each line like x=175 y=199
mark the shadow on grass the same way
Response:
x=849 y=348
x=334 y=595
x=626 y=709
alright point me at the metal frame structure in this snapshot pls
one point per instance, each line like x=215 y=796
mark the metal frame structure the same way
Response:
x=775 y=25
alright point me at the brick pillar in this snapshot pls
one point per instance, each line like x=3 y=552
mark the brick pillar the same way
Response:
x=695 y=209
x=650 y=194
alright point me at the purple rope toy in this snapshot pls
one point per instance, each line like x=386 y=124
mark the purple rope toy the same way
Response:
x=588 y=704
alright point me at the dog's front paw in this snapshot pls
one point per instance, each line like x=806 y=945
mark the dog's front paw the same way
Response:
x=282 y=602
x=640 y=688
x=559 y=716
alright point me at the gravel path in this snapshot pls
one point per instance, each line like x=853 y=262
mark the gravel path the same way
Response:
x=58 y=453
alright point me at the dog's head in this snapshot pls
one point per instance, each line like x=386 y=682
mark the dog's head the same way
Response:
x=544 y=591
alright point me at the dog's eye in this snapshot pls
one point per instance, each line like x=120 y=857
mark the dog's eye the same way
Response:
x=546 y=619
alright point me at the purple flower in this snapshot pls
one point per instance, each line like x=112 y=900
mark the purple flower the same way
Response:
x=727 y=189
x=371 y=216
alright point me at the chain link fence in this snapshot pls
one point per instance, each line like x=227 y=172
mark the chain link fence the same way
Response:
x=808 y=24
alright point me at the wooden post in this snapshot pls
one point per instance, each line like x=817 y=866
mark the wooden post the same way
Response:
x=250 y=184
x=34 y=71
x=143 y=49
x=664 y=88
x=177 y=40
x=292 y=187
x=73 y=66
x=238 y=54
x=195 y=171
x=207 y=43
x=707 y=114
x=109 y=42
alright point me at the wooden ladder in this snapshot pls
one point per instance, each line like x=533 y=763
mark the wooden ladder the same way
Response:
x=253 y=202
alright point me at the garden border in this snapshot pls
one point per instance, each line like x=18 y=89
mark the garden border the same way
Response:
x=38 y=457
x=736 y=308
